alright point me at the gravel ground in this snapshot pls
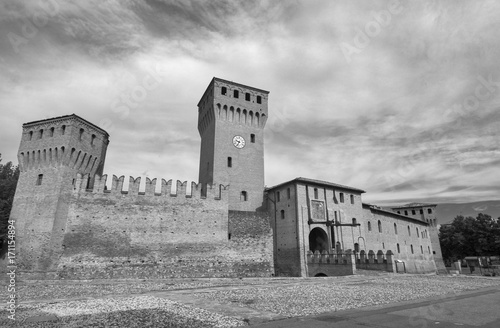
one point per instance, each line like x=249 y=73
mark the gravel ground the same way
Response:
x=331 y=295
x=113 y=304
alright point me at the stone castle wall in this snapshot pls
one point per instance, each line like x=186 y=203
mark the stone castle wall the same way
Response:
x=132 y=234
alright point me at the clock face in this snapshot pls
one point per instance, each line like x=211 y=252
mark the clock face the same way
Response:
x=239 y=142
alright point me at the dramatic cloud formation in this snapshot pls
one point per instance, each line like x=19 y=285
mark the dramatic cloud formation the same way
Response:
x=398 y=98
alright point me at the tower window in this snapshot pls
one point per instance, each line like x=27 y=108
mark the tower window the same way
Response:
x=354 y=222
x=63 y=129
x=395 y=228
x=406 y=213
x=411 y=246
x=409 y=231
x=93 y=139
x=243 y=196
x=41 y=133
x=247 y=96
x=223 y=91
x=369 y=226
x=421 y=211
x=31 y=135
x=397 y=246
x=236 y=94
x=252 y=138
x=282 y=214
x=352 y=199
x=341 y=195
x=229 y=162
x=429 y=211
x=421 y=249
x=288 y=193
x=418 y=235
x=51 y=132
x=379 y=226
x=81 y=134
x=413 y=212
x=278 y=198
x=39 y=180
x=259 y=100
x=315 y=193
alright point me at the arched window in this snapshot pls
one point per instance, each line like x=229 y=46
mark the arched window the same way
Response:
x=81 y=134
x=243 y=196
x=41 y=133
x=395 y=228
x=379 y=226
x=31 y=135
x=352 y=199
x=93 y=140
x=315 y=193
x=63 y=129
x=369 y=226
x=51 y=132
x=282 y=214
x=318 y=240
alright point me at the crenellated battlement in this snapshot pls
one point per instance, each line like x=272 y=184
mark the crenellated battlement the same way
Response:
x=198 y=191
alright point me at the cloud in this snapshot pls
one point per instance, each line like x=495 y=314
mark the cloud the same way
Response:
x=409 y=117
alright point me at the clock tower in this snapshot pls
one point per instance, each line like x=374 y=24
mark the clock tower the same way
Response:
x=231 y=120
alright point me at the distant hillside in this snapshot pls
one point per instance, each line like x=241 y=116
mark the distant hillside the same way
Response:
x=448 y=211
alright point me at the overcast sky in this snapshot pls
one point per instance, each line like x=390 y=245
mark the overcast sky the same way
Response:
x=400 y=99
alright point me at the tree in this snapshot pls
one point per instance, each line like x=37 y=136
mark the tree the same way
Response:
x=9 y=174
x=468 y=236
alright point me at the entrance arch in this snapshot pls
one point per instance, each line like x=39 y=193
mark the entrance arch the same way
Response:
x=318 y=240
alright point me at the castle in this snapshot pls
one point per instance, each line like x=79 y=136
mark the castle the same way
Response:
x=69 y=225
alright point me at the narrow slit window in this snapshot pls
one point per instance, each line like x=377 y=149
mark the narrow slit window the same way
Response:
x=352 y=199
x=81 y=134
x=397 y=246
x=288 y=193
x=315 y=193
x=39 y=180
x=395 y=229
x=341 y=195
x=278 y=198
x=369 y=226
x=93 y=140
x=379 y=226
x=282 y=214
x=41 y=133
x=229 y=162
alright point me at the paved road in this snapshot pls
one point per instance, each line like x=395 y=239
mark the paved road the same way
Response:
x=469 y=309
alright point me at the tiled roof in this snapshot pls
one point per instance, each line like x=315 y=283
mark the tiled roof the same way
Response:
x=317 y=182
x=413 y=205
